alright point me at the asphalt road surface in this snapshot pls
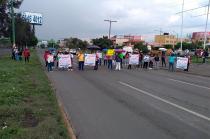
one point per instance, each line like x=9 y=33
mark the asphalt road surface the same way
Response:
x=135 y=104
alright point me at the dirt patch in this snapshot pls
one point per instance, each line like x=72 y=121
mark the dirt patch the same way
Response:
x=29 y=120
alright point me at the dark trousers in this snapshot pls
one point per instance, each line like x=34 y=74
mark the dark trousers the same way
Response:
x=96 y=66
x=171 y=67
x=105 y=62
x=109 y=64
x=49 y=66
x=129 y=66
x=163 y=61
x=145 y=65
x=81 y=65
x=46 y=63
x=27 y=59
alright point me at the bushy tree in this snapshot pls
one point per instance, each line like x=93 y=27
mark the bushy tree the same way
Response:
x=141 y=47
x=103 y=42
x=75 y=43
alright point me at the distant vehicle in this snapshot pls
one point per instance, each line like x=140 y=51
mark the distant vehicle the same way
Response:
x=73 y=51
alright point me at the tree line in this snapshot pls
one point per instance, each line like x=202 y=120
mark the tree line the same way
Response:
x=24 y=32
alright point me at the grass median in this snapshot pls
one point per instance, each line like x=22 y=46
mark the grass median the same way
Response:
x=28 y=105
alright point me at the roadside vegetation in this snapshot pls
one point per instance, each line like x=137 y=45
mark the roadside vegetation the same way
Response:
x=28 y=105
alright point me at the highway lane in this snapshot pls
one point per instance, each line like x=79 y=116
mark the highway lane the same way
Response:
x=135 y=104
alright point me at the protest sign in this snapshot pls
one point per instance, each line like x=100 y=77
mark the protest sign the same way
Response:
x=134 y=59
x=90 y=59
x=64 y=61
x=99 y=55
x=182 y=63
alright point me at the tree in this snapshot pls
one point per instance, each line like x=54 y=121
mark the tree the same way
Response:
x=141 y=47
x=185 y=46
x=75 y=43
x=103 y=42
x=168 y=46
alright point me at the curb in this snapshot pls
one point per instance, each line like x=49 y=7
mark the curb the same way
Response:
x=65 y=116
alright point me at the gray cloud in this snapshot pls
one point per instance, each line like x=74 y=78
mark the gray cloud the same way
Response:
x=85 y=18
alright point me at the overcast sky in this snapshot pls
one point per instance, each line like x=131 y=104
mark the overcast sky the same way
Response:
x=85 y=18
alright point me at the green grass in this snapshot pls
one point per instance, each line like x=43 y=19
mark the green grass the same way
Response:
x=28 y=105
x=199 y=60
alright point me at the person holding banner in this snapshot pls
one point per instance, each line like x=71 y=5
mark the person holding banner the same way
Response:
x=109 y=62
x=97 y=61
x=146 y=60
x=80 y=57
x=172 y=60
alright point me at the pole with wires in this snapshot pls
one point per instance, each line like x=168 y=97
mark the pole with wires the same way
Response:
x=207 y=19
x=182 y=24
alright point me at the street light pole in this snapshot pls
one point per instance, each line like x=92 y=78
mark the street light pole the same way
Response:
x=207 y=19
x=182 y=23
x=110 y=26
x=13 y=22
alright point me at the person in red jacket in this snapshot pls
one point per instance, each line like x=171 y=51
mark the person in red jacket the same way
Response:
x=26 y=54
x=46 y=53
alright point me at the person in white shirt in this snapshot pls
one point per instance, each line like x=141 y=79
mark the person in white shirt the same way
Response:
x=146 y=61
x=50 y=60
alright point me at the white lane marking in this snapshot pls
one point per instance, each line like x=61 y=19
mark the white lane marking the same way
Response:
x=166 y=101
x=204 y=87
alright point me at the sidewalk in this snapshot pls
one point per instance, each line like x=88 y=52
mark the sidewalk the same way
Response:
x=200 y=69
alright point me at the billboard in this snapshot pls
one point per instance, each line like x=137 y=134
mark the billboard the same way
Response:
x=33 y=18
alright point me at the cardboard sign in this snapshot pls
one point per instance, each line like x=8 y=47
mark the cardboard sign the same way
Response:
x=90 y=59
x=64 y=61
x=182 y=63
x=134 y=59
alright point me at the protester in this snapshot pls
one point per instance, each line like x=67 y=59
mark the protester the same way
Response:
x=118 y=60
x=151 y=60
x=81 y=59
x=97 y=62
x=16 y=54
x=129 y=65
x=20 y=55
x=126 y=59
x=157 y=61
x=146 y=60
x=26 y=54
x=110 y=64
x=163 y=58
x=140 y=60
x=189 y=61
x=205 y=55
x=172 y=60
x=105 y=60
x=50 y=61
x=46 y=53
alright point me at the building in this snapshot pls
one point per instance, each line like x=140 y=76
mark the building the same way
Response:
x=200 y=36
x=127 y=40
x=166 y=39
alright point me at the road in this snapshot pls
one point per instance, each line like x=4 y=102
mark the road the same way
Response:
x=135 y=104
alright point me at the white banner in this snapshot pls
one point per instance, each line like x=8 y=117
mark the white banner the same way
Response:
x=134 y=59
x=90 y=59
x=99 y=55
x=182 y=63
x=64 y=61
x=33 y=18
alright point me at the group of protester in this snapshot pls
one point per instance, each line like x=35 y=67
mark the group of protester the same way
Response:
x=17 y=54
x=119 y=60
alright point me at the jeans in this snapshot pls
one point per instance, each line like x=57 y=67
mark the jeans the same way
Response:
x=171 y=67
x=109 y=64
x=157 y=63
x=145 y=65
x=105 y=62
x=81 y=65
x=163 y=61
x=49 y=66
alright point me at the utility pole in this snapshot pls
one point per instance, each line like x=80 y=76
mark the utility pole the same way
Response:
x=207 y=19
x=182 y=23
x=110 y=26
x=13 y=21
